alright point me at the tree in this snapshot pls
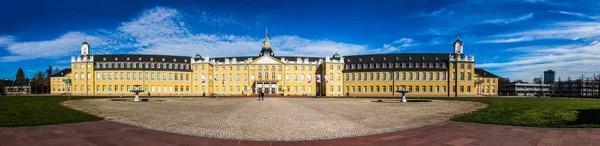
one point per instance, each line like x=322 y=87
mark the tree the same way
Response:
x=38 y=82
x=537 y=80
x=49 y=71
x=20 y=78
x=56 y=70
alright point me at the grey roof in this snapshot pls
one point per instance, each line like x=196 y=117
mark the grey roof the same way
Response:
x=398 y=58
x=406 y=57
x=484 y=73
x=141 y=58
x=62 y=73
x=241 y=58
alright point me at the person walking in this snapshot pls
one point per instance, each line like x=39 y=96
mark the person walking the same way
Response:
x=259 y=95
x=262 y=96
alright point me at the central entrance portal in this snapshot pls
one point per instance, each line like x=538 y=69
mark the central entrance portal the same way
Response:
x=266 y=87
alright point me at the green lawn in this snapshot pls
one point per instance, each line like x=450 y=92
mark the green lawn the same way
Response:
x=30 y=111
x=535 y=112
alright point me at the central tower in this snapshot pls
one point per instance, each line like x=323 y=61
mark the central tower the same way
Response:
x=266 y=49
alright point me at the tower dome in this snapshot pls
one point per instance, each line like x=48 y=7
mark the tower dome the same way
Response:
x=266 y=49
x=336 y=56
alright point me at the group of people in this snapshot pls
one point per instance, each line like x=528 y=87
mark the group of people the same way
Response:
x=261 y=96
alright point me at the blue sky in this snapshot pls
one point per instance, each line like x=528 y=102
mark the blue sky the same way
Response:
x=518 y=39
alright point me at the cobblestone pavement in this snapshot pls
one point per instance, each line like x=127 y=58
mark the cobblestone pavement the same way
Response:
x=275 y=119
x=109 y=133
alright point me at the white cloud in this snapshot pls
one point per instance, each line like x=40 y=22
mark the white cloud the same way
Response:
x=508 y=40
x=569 y=60
x=510 y=20
x=578 y=15
x=6 y=40
x=586 y=31
x=61 y=46
x=163 y=30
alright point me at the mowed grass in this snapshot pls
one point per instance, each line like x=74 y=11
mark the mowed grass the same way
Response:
x=44 y=110
x=535 y=112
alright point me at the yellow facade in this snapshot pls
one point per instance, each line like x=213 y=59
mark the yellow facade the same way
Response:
x=486 y=83
x=422 y=74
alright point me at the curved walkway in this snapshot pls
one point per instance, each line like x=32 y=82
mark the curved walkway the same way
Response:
x=107 y=133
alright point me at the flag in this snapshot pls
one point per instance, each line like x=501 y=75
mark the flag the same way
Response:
x=326 y=80
x=318 y=78
x=309 y=79
x=216 y=76
x=203 y=80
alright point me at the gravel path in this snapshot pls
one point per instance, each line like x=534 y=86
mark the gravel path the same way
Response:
x=275 y=119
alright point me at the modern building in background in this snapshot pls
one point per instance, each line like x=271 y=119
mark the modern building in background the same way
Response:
x=424 y=74
x=549 y=77
x=577 y=88
x=525 y=89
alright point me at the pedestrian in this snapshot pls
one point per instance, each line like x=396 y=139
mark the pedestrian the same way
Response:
x=262 y=96
x=148 y=93
x=259 y=95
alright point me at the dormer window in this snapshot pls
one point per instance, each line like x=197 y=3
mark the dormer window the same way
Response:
x=104 y=59
x=174 y=60
x=140 y=59
x=397 y=58
x=151 y=59
x=372 y=59
x=163 y=59
x=423 y=58
x=359 y=59
x=127 y=58
x=116 y=59
x=384 y=58
x=436 y=58
x=409 y=58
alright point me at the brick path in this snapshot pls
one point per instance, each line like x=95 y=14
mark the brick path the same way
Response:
x=107 y=133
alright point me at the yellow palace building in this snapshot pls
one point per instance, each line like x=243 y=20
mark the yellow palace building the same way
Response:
x=424 y=74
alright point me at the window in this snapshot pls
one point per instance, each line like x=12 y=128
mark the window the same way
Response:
x=462 y=76
x=416 y=88
x=417 y=76
x=462 y=89
x=430 y=88
x=469 y=76
x=430 y=76
x=424 y=76
x=384 y=76
x=259 y=75
x=403 y=76
x=377 y=76
x=444 y=76
x=371 y=77
x=376 y=88
x=371 y=88
x=410 y=76
x=443 y=88
x=453 y=75
x=468 y=88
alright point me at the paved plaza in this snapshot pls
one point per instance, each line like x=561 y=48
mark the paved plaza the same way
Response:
x=449 y=133
x=275 y=119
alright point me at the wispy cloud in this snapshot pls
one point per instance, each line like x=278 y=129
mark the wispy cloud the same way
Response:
x=508 y=40
x=569 y=60
x=61 y=46
x=6 y=40
x=577 y=15
x=586 y=31
x=510 y=20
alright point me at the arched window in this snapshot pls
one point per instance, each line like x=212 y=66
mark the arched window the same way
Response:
x=259 y=76
x=266 y=74
x=273 y=75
